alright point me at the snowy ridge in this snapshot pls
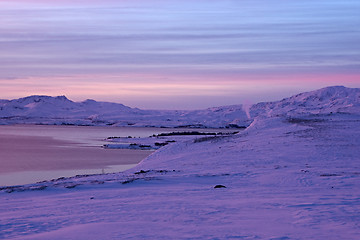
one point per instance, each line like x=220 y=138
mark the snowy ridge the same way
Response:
x=336 y=99
x=62 y=111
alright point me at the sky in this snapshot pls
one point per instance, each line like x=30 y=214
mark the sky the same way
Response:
x=177 y=54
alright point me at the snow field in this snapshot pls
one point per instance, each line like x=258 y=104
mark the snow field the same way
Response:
x=286 y=177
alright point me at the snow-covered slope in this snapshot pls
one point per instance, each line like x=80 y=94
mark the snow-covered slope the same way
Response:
x=287 y=176
x=33 y=108
x=329 y=100
x=60 y=110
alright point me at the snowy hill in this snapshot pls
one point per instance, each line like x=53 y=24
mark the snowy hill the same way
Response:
x=55 y=107
x=60 y=110
x=329 y=100
x=278 y=179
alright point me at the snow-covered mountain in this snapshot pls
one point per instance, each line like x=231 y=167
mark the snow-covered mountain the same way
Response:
x=277 y=179
x=60 y=110
x=329 y=100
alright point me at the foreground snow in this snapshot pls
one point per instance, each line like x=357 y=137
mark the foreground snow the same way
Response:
x=288 y=176
x=286 y=180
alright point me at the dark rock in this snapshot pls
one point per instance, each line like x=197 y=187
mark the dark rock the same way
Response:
x=129 y=180
x=142 y=171
x=219 y=186
x=71 y=186
x=330 y=175
x=158 y=144
x=38 y=188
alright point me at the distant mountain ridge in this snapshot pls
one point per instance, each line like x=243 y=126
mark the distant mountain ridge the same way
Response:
x=335 y=99
x=60 y=110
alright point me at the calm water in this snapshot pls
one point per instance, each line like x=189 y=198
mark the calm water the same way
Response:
x=31 y=153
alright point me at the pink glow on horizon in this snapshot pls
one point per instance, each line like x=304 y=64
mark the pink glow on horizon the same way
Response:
x=177 y=54
x=156 y=91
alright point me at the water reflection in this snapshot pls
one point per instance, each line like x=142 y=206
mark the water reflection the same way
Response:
x=25 y=177
x=30 y=153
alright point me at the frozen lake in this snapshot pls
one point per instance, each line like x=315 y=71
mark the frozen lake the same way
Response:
x=31 y=153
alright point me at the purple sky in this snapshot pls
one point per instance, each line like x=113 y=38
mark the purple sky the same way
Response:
x=177 y=54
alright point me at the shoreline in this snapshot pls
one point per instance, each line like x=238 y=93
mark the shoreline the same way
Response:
x=69 y=155
x=33 y=153
x=22 y=155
